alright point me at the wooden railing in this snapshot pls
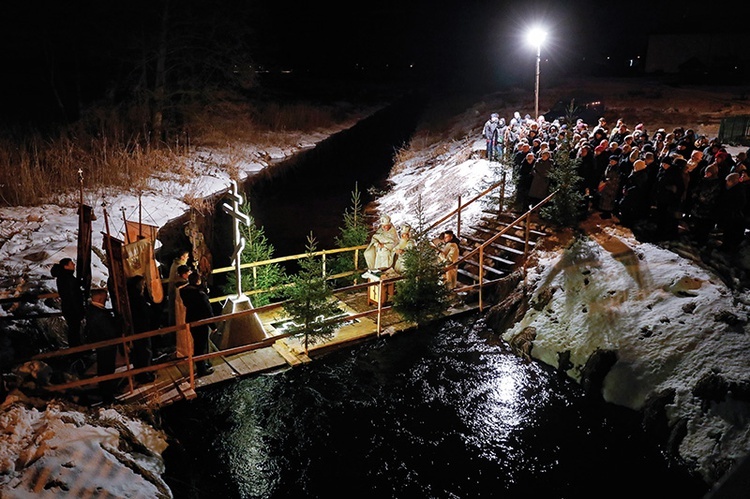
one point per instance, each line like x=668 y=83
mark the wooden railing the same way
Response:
x=124 y=341
x=523 y=219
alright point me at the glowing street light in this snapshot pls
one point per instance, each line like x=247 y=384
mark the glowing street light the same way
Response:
x=536 y=37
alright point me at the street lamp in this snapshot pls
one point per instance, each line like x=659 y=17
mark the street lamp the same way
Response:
x=536 y=37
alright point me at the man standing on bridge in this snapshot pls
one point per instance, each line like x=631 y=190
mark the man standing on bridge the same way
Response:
x=198 y=307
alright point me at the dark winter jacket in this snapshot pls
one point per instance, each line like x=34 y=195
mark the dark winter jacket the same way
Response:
x=539 y=188
x=101 y=324
x=608 y=194
x=635 y=201
x=706 y=197
x=69 y=289
x=669 y=189
x=197 y=306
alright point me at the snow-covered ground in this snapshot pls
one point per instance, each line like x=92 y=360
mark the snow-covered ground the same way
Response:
x=667 y=318
x=58 y=451
x=51 y=450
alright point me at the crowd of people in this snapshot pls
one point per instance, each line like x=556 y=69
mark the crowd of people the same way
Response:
x=672 y=181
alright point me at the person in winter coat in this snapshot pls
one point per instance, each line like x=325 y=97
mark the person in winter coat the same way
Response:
x=668 y=199
x=539 y=188
x=705 y=205
x=608 y=187
x=502 y=130
x=635 y=201
x=71 y=298
x=692 y=174
x=586 y=169
x=523 y=183
x=141 y=319
x=102 y=325
x=489 y=132
x=732 y=216
x=198 y=307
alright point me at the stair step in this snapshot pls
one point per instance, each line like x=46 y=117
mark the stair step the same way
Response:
x=494 y=258
x=507 y=218
x=509 y=237
x=495 y=245
x=496 y=223
x=487 y=268
x=475 y=278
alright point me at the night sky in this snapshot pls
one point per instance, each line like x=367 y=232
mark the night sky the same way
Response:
x=54 y=53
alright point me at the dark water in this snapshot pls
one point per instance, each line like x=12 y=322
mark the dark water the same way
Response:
x=311 y=191
x=444 y=412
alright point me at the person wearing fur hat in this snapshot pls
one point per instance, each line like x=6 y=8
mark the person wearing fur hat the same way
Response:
x=635 y=202
x=379 y=253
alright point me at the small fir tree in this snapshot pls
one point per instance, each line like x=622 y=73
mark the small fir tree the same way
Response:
x=310 y=304
x=257 y=248
x=354 y=233
x=566 y=208
x=422 y=295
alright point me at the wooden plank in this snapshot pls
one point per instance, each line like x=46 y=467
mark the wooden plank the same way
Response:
x=495 y=245
x=503 y=224
x=239 y=364
x=283 y=349
x=506 y=236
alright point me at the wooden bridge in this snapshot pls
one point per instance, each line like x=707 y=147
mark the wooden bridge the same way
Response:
x=500 y=241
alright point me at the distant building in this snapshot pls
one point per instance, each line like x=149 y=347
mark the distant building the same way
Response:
x=699 y=53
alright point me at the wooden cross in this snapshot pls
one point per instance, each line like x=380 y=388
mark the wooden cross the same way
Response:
x=239 y=242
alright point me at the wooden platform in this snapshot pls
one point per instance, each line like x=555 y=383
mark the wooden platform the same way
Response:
x=173 y=384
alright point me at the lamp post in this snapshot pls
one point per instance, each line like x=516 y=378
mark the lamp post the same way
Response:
x=536 y=37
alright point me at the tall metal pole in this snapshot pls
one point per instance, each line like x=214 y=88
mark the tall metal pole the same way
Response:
x=536 y=91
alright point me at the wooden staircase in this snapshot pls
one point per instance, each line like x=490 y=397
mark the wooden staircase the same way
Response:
x=502 y=256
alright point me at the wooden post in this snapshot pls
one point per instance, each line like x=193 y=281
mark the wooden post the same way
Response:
x=117 y=298
x=481 y=275
x=125 y=222
x=526 y=247
x=502 y=196
x=380 y=303
x=140 y=215
x=458 y=218
x=356 y=266
x=191 y=367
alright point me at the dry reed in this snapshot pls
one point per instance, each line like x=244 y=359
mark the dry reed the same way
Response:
x=105 y=149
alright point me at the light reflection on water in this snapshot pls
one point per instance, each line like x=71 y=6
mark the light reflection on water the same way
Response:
x=439 y=412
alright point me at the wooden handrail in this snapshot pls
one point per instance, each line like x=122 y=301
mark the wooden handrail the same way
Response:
x=463 y=206
x=129 y=372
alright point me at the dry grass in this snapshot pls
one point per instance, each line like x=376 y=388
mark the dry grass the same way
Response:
x=108 y=149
